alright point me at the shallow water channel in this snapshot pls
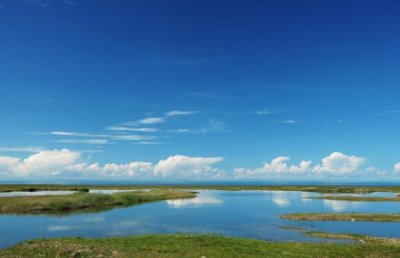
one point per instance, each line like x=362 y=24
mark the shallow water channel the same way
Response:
x=250 y=214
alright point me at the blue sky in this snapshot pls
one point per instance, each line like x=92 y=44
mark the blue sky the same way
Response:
x=200 y=89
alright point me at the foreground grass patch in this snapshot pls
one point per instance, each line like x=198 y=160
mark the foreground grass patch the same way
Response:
x=193 y=246
x=81 y=202
x=343 y=217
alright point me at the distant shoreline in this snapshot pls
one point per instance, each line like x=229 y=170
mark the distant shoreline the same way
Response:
x=194 y=183
x=306 y=188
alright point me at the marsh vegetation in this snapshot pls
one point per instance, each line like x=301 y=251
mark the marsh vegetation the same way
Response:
x=342 y=217
x=183 y=245
x=305 y=188
x=84 y=201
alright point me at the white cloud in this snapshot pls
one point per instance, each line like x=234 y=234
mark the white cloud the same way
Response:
x=277 y=166
x=150 y=120
x=61 y=133
x=339 y=163
x=213 y=126
x=289 y=121
x=265 y=111
x=148 y=143
x=100 y=138
x=336 y=163
x=132 y=129
x=68 y=163
x=85 y=141
x=21 y=149
x=180 y=113
x=397 y=167
x=372 y=171
x=132 y=137
x=45 y=162
x=179 y=165
x=52 y=161
x=173 y=167
x=180 y=130
x=7 y=163
x=131 y=169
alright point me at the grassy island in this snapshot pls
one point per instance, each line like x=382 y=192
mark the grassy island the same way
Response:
x=343 y=217
x=182 y=245
x=353 y=198
x=84 y=202
x=354 y=237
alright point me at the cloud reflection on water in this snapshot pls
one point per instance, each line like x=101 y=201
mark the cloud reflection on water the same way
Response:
x=281 y=198
x=203 y=198
x=340 y=206
x=110 y=191
x=59 y=228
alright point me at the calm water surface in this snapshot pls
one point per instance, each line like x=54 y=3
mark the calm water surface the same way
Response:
x=37 y=193
x=252 y=214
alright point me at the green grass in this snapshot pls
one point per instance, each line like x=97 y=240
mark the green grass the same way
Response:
x=182 y=245
x=357 y=198
x=354 y=237
x=83 y=202
x=315 y=188
x=343 y=217
x=80 y=188
x=293 y=228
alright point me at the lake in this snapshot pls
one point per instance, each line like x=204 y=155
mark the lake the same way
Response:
x=250 y=214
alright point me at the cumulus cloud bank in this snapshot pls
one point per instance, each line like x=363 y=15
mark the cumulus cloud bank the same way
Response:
x=43 y=163
x=69 y=163
x=397 y=167
x=336 y=163
x=176 y=167
x=339 y=163
x=278 y=165
x=179 y=164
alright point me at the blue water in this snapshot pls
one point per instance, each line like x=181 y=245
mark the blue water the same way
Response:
x=252 y=214
x=37 y=193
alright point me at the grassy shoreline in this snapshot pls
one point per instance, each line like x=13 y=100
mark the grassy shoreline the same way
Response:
x=353 y=237
x=342 y=217
x=183 y=245
x=310 y=188
x=357 y=198
x=84 y=202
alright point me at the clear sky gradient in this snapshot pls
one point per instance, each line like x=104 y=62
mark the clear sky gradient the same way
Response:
x=200 y=89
